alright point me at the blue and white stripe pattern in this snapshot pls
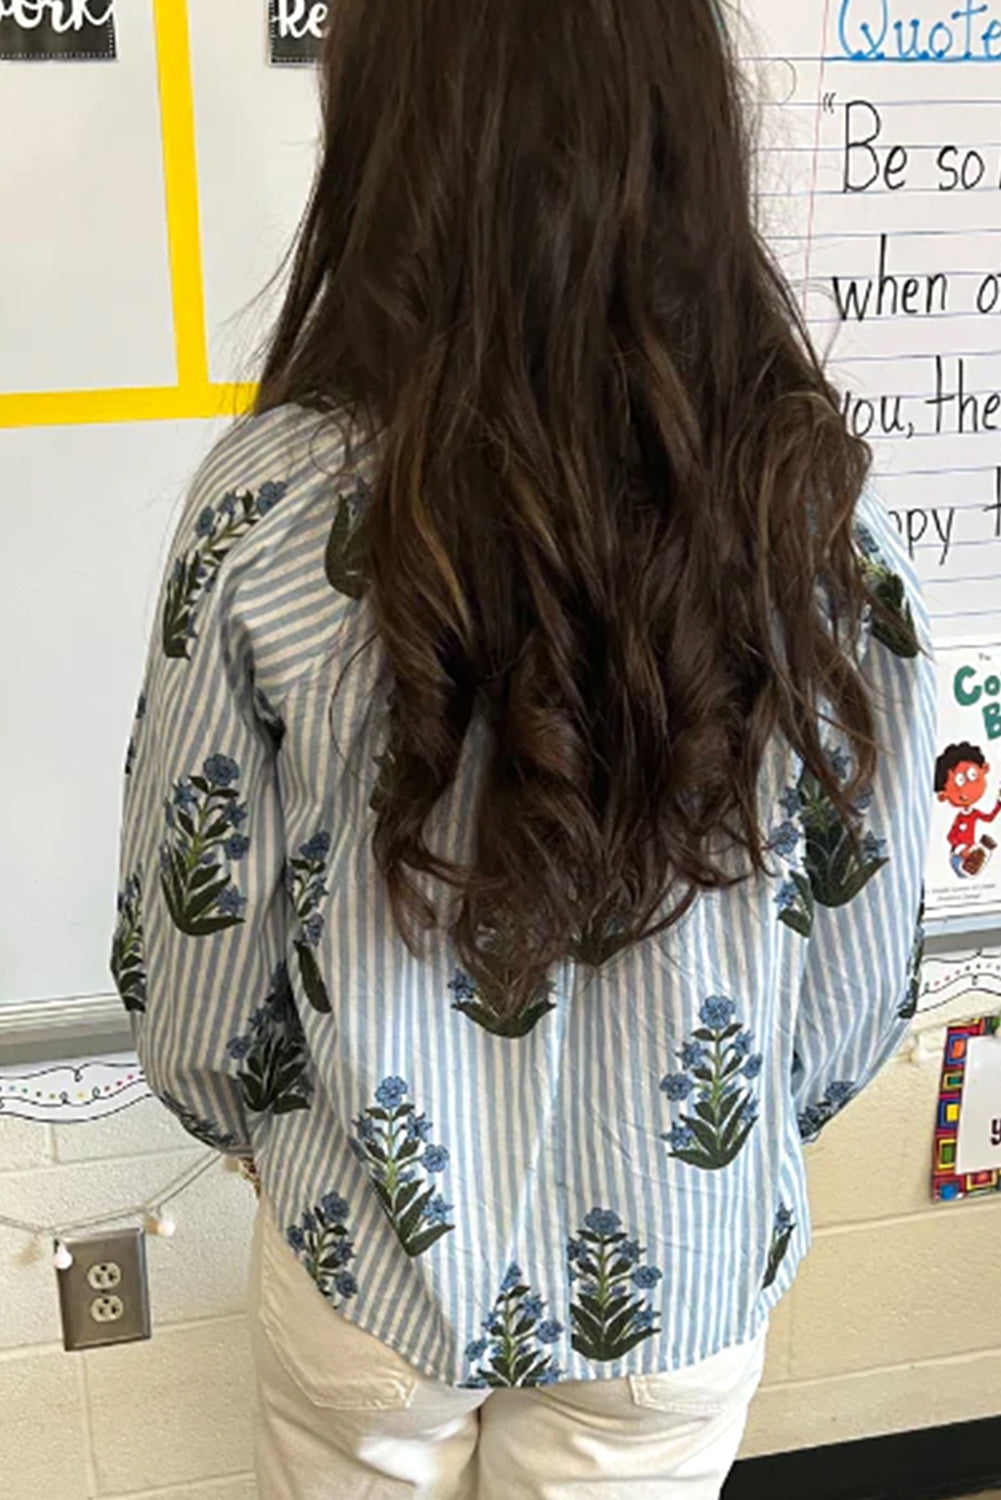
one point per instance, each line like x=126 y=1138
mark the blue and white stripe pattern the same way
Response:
x=619 y=1191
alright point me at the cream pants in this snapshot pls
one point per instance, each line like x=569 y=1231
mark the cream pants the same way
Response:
x=340 y=1416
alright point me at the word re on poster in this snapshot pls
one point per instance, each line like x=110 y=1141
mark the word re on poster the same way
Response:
x=60 y=30
x=295 y=30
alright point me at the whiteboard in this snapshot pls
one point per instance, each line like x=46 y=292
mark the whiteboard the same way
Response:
x=153 y=198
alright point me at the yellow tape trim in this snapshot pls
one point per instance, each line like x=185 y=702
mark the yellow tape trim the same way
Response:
x=180 y=177
x=140 y=404
x=195 y=395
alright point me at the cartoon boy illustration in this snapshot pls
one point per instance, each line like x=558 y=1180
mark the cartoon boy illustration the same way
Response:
x=961 y=780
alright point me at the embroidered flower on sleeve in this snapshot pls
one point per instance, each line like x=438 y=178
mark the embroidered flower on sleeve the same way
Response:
x=307 y=887
x=216 y=530
x=195 y=859
x=273 y=1062
x=128 y=963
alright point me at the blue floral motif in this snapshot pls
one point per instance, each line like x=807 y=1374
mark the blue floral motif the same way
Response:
x=724 y=1111
x=195 y=570
x=231 y=902
x=322 y=1242
x=835 y=864
x=221 y=770
x=237 y=846
x=716 y=1012
x=274 y=1071
x=693 y=1055
x=128 y=959
x=194 y=873
x=305 y=878
x=815 y=1116
x=486 y=1002
x=677 y=1085
x=268 y=496
x=398 y=1163
x=781 y=1235
x=462 y=986
x=784 y=839
x=608 y=1317
x=515 y=1351
x=390 y=1092
x=791 y=801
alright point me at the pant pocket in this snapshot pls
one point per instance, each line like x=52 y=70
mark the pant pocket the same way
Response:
x=723 y=1382
x=333 y=1363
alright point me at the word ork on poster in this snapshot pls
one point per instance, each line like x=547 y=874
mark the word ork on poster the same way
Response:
x=964 y=862
x=296 y=29
x=67 y=30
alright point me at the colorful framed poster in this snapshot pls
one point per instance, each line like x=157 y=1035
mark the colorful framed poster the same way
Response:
x=963 y=878
x=969 y=1063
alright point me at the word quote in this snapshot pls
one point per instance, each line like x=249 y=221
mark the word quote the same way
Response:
x=871 y=31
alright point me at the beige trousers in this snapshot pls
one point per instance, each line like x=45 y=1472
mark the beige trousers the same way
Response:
x=340 y=1416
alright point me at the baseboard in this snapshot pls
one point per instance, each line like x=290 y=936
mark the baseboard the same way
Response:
x=934 y=1463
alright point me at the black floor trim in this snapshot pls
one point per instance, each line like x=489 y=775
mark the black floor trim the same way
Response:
x=934 y=1463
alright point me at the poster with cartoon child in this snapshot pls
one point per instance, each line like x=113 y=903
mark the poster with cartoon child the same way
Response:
x=964 y=867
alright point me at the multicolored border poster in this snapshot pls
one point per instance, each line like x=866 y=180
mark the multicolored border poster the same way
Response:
x=964 y=861
x=947 y=1186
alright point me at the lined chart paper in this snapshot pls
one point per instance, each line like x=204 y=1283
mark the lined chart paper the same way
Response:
x=880 y=190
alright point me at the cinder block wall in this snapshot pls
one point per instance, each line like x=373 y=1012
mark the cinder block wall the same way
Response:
x=891 y=1325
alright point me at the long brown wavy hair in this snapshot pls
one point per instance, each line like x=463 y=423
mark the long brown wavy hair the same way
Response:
x=614 y=500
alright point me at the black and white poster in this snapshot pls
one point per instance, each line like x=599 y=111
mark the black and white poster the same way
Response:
x=296 y=29
x=64 y=30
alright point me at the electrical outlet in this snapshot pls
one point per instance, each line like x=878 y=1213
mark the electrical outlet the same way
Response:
x=103 y=1295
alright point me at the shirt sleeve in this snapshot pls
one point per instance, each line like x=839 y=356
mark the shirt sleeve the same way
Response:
x=861 y=910
x=199 y=940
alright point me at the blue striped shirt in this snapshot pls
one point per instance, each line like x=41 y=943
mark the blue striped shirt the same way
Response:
x=620 y=1190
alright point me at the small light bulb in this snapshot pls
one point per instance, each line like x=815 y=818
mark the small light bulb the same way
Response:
x=62 y=1259
x=160 y=1224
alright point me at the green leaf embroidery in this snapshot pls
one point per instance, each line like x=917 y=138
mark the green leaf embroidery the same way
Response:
x=391 y=1141
x=608 y=1317
x=346 y=552
x=128 y=964
x=312 y=979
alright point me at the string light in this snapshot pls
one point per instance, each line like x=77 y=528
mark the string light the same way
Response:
x=150 y=1212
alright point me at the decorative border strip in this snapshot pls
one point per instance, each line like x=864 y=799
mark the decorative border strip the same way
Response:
x=945 y=977
x=947 y=1187
x=70 y=1092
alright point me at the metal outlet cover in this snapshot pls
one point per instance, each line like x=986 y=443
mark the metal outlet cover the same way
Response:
x=80 y=1286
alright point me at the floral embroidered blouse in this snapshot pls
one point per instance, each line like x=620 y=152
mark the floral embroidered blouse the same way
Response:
x=615 y=1186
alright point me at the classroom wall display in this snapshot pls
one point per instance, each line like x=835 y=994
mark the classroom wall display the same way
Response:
x=966 y=1160
x=964 y=865
x=157 y=200
x=295 y=30
x=68 y=30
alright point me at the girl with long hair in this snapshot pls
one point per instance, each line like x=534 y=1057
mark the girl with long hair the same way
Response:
x=525 y=817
